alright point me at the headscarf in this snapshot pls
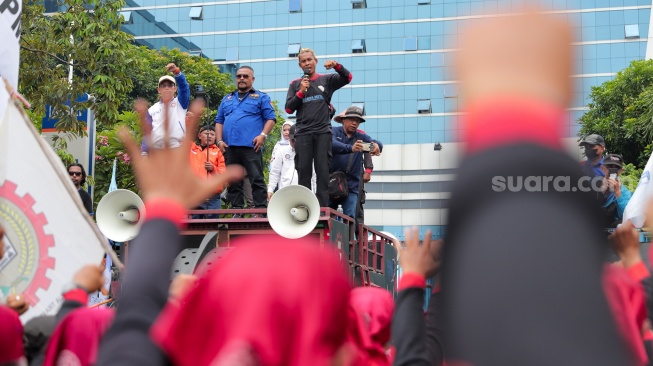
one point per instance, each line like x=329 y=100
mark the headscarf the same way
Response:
x=76 y=340
x=283 y=140
x=269 y=301
x=11 y=335
x=369 y=331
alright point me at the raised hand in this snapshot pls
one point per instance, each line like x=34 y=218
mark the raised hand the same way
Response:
x=625 y=242
x=533 y=62
x=330 y=64
x=17 y=303
x=166 y=172
x=422 y=259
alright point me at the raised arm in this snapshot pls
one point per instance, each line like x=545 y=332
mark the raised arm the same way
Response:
x=342 y=76
x=169 y=188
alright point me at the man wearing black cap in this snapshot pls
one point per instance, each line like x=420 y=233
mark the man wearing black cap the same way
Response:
x=594 y=148
x=615 y=194
x=348 y=146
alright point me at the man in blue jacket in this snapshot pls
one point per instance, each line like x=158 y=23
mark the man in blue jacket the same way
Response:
x=244 y=120
x=348 y=145
x=615 y=194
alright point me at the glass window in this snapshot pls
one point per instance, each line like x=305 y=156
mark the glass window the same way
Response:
x=424 y=43
x=631 y=30
x=195 y=52
x=360 y=105
x=358 y=4
x=450 y=91
x=358 y=46
x=424 y=106
x=51 y=6
x=232 y=54
x=127 y=16
x=437 y=60
x=293 y=49
x=196 y=13
x=295 y=6
x=410 y=44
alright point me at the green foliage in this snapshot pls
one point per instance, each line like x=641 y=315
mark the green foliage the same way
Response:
x=151 y=66
x=89 y=40
x=108 y=148
x=630 y=176
x=111 y=68
x=273 y=138
x=621 y=111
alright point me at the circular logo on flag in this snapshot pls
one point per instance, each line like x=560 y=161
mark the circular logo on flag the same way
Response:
x=26 y=259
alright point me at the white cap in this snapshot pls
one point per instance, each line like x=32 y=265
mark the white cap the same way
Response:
x=167 y=77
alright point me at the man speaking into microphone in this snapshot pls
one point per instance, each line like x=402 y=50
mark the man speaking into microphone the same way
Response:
x=310 y=96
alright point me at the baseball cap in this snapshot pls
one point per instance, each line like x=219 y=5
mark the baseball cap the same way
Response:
x=593 y=139
x=351 y=112
x=613 y=160
x=167 y=77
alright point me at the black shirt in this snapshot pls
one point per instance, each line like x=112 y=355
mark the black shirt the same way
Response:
x=86 y=199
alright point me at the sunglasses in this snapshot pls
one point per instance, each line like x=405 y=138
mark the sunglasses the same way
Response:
x=242 y=76
x=77 y=174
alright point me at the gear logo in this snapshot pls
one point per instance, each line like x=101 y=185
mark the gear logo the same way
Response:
x=24 y=269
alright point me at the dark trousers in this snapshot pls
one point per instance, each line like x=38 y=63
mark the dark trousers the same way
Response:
x=253 y=164
x=360 y=213
x=314 y=150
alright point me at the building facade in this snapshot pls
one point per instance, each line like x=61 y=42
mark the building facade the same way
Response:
x=400 y=53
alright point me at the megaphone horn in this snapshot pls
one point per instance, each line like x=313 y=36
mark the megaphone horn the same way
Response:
x=119 y=215
x=293 y=211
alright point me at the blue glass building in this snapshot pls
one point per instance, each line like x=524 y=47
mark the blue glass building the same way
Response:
x=400 y=52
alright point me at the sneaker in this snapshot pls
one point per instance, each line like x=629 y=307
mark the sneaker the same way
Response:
x=237 y=216
x=259 y=216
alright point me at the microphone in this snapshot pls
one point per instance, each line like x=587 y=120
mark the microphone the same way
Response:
x=307 y=75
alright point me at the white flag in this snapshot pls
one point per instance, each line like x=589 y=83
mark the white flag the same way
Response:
x=49 y=234
x=635 y=209
x=10 y=11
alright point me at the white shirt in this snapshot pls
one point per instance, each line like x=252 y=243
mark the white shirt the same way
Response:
x=282 y=169
x=176 y=129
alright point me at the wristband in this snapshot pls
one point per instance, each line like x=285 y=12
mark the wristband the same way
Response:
x=264 y=135
x=177 y=71
x=70 y=286
x=218 y=143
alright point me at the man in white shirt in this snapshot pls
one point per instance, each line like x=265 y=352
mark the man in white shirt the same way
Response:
x=177 y=107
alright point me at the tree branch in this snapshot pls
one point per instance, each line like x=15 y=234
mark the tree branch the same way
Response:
x=53 y=56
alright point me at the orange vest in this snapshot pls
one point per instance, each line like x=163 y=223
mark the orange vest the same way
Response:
x=198 y=158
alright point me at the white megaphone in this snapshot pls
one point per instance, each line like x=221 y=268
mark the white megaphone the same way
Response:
x=119 y=215
x=293 y=211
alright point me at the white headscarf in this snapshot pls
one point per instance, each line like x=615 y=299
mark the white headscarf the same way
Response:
x=283 y=140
